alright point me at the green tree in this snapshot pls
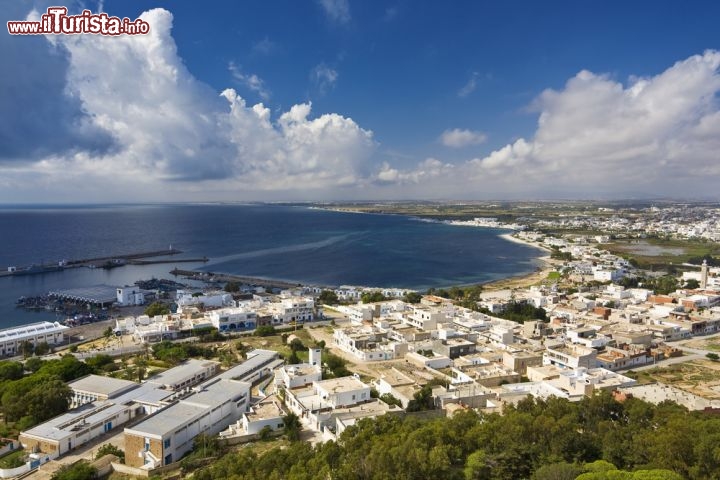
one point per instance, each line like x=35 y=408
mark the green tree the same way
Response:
x=297 y=345
x=232 y=287
x=157 y=308
x=390 y=399
x=265 y=331
x=692 y=284
x=11 y=370
x=81 y=470
x=292 y=427
x=99 y=361
x=412 y=297
x=33 y=364
x=328 y=297
x=372 y=297
x=38 y=397
x=422 y=400
x=42 y=348
x=713 y=356
x=68 y=368
x=141 y=365
x=557 y=471
x=476 y=467
x=293 y=358
x=27 y=348
x=110 y=449
x=336 y=365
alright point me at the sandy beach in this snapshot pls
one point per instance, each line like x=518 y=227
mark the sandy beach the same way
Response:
x=547 y=265
x=511 y=238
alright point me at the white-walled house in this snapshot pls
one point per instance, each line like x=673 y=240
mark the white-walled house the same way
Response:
x=232 y=319
x=130 y=295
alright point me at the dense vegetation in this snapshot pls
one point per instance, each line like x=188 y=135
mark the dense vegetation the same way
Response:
x=372 y=297
x=174 y=352
x=540 y=440
x=467 y=297
x=41 y=395
x=519 y=312
x=81 y=470
x=328 y=297
x=157 y=308
x=660 y=285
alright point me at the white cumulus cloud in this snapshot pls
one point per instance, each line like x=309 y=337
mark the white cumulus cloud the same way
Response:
x=168 y=128
x=657 y=135
x=459 y=138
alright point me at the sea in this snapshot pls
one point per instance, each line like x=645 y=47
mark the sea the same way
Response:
x=294 y=243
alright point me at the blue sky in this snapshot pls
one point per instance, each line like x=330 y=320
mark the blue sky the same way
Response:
x=380 y=100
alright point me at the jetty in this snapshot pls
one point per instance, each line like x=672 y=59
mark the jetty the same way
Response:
x=110 y=261
x=226 y=277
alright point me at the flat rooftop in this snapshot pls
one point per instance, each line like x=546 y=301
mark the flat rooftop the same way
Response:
x=187 y=369
x=193 y=406
x=67 y=424
x=31 y=329
x=395 y=378
x=95 y=294
x=342 y=384
x=302 y=369
x=256 y=359
x=99 y=385
x=269 y=407
x=146 y=394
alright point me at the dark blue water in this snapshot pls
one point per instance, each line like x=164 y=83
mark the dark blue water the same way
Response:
x=289 y=243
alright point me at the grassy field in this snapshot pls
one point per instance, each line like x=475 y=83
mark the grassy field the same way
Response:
x=655 y=252
x=504 y=211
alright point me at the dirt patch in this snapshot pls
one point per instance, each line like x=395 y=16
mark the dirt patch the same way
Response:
x=701 y=377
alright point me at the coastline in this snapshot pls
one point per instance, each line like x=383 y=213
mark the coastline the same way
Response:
x=525 y=280
x=511 y=238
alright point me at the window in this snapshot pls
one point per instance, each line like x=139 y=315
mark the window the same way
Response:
x=166 y=443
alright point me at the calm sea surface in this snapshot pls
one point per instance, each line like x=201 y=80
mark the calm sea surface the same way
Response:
x=289 y=243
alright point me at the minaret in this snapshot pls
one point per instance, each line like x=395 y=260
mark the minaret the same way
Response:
x=703 y=274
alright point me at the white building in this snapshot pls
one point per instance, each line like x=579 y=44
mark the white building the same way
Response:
x=326 y=395
x=11 y=339
x=294 y=309
x=369 y=344
x=269 y=413
x=425 y=318
x=232 y=319
x=571 y=356
x=219 y=299
x=163 y=438
x=93 y=388
x=130 y=295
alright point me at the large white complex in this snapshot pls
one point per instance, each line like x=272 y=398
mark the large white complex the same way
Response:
x=11 y=339
x=166 y=436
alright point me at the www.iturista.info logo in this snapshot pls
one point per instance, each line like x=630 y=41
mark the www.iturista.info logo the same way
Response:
x=57 y=21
